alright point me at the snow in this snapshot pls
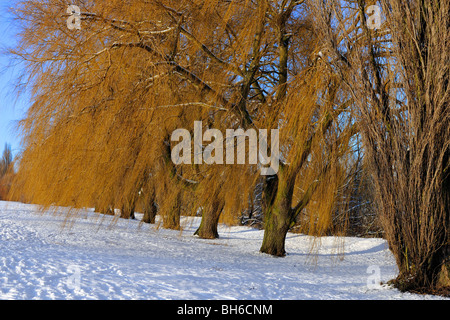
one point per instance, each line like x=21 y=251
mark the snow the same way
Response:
x=70 y=255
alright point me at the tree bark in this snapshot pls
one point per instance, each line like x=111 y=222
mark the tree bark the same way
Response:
x=150 y=208
x=278 y=215
x=276 y=228
x=150 y=211
x=210 y=220
x=171 y=219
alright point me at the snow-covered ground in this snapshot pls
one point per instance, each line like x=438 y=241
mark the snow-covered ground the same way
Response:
x=89 y=256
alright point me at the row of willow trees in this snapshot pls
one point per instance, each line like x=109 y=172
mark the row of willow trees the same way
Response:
x=6 y=172
x=354 y=105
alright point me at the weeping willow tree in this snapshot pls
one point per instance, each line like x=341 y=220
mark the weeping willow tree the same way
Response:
x=316 y=133
x=399 y=76
x=112 y=82
x=102 y=106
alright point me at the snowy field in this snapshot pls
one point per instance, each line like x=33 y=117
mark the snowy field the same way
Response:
x=89 y=256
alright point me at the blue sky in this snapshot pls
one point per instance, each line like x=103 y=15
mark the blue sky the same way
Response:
x=11 y=108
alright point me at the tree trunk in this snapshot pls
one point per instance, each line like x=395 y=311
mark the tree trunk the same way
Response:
x=433 y=276
x=127 y=211
x=437 y=270
x=278 y=189
x=210 y=220
x=277 y=214
x=443 y=260
x=150 y=209
x=276 y=228
x=128 y=208
x=171 y=219
x=443 y=276
x=440 y=275
x=150 y=212
x=108 y=210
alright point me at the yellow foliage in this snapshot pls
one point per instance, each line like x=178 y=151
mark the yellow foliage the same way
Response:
x=107 y=97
